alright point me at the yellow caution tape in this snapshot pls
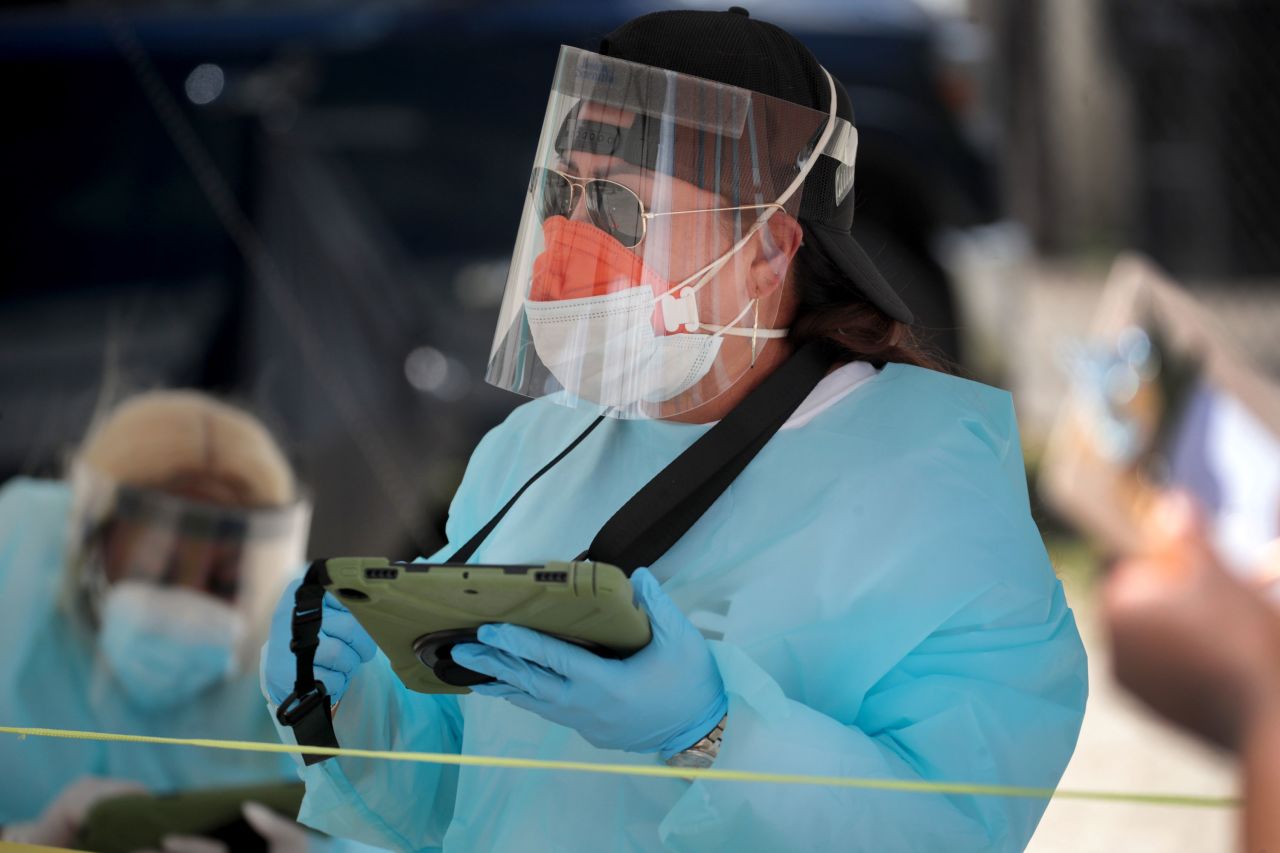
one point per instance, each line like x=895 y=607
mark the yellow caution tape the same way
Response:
x=712 y=774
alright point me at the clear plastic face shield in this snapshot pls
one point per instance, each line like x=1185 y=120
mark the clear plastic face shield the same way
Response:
x=658 y=228
x=180 y=591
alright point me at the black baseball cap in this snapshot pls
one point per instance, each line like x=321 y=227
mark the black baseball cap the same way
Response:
x=735 y=49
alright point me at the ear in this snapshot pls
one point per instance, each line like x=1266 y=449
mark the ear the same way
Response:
x=778 y=242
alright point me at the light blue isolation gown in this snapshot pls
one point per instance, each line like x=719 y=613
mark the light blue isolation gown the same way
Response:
x=49 y=678
x=876 y=596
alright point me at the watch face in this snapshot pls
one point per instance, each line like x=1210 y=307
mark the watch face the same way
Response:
x=691 y=758
x=703 y=753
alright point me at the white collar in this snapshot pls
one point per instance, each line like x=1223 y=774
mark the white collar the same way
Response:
x=833 y=388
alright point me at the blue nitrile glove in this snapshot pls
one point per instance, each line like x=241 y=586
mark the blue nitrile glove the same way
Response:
x=664 y=698
x=344 y=645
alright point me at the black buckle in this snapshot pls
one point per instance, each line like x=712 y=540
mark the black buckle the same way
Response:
x=295 y=708
x=310 y=718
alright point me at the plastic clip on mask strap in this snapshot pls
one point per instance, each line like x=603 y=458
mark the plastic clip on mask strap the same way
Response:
x=683 y=309
x=306 y=710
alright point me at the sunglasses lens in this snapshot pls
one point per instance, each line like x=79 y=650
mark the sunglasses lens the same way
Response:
x=552 y=193
x=613 y=208
x=616 y=210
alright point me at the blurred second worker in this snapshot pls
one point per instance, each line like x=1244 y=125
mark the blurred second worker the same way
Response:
x=133 y=598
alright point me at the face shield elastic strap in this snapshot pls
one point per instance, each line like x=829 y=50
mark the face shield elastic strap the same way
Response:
x=682 y=309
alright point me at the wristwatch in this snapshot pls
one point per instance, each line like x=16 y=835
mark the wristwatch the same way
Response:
x=704 y=752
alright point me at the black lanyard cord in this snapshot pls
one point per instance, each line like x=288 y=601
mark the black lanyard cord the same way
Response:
x=465 y=553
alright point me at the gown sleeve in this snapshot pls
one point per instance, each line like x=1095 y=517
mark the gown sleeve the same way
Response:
x=33 y=521
x=957 y=659
x=397 y=805
x=968 y=705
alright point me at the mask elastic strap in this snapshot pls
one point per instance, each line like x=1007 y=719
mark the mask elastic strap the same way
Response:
x=734 y=329
x=702 y=276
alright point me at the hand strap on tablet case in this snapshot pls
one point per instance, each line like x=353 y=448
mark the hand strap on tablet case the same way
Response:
x=306 y=710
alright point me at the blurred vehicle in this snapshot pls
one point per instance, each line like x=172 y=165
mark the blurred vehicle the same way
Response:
x=310 y=207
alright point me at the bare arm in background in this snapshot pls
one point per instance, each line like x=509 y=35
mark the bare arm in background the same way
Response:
x=1260 y=755
x=1203 y=650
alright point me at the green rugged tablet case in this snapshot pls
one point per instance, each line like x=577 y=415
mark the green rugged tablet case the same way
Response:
x=140 y=821
x=416 y=612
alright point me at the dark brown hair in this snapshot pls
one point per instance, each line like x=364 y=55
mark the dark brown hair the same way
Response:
x=831 y=310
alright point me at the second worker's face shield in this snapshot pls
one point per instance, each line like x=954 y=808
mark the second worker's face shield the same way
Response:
x=177 y=586
x=658 y=228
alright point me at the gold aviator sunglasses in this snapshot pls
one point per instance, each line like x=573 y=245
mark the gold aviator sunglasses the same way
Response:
x=612 y=207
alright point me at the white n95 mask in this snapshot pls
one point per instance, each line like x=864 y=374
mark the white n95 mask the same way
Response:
x=604 y=348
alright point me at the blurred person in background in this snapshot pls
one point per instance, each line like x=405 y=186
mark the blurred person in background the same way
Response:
x=133 y=598
x=1201 y=646
x=869 y=598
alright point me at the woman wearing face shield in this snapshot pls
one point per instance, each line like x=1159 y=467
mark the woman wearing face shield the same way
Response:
x=132 y=601
x=868 y=598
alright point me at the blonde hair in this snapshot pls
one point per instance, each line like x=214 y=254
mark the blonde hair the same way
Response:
x=151 y=438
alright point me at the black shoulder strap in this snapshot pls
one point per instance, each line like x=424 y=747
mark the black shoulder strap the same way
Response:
x=669 y=504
